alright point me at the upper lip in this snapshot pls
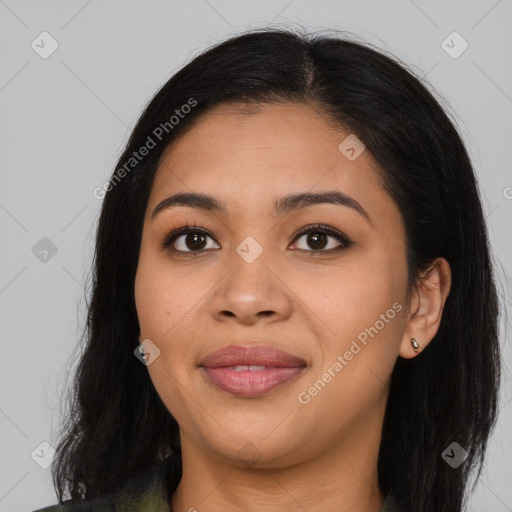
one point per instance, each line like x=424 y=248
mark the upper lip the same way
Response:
x=261 y=355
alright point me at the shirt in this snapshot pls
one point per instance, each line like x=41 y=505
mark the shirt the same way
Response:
x=150 y=491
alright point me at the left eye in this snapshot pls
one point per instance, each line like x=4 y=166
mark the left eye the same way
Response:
x=318 y=239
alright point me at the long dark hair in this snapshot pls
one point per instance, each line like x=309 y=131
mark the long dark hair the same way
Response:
x=117 y=426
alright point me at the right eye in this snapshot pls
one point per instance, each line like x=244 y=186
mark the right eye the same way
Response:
x=187 y=240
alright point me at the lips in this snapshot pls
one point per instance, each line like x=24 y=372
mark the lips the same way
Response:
x=261 y=355
x=250 y=371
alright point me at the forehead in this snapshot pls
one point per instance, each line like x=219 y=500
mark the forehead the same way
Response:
x=289 y=132
x=246 y=156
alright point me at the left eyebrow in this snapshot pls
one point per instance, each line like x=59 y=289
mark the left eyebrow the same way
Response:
x=283 y=205
x=294 y=202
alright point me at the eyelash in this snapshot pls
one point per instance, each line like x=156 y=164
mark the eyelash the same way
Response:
x=345 y=241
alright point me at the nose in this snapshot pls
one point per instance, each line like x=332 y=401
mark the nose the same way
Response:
x=251 y=293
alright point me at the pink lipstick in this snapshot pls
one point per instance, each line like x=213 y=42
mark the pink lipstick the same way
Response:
x=250 y=370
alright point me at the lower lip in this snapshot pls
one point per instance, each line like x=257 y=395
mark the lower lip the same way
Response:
x=248 y=383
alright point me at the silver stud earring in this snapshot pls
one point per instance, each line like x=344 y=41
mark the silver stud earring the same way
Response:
x=415 y=345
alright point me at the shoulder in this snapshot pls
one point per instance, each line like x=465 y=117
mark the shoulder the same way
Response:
x=105 y=505
x=79 y=506
x=148 y=491
x=389 y=504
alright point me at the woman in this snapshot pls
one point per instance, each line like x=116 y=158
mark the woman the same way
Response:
x=293 y=303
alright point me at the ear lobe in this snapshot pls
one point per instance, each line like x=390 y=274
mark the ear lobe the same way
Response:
x=427 y=303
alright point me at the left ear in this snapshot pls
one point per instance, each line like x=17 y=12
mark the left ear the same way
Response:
x=427 y=302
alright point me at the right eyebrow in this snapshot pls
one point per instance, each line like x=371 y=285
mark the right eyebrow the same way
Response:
x=193 y=200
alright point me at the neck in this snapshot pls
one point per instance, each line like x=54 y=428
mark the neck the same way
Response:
x=341 y=479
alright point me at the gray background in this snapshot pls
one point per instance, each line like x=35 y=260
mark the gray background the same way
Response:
x=64 y=120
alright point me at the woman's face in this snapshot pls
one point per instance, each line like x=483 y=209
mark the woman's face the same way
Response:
x=255 y=281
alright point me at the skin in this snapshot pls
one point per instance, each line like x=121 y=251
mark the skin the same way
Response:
x=316 y=456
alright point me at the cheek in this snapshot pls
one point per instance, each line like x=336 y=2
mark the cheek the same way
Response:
x=152 y=302
x=357 y=307
x=348 y=294
x=158 y=305
x=164 y=296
